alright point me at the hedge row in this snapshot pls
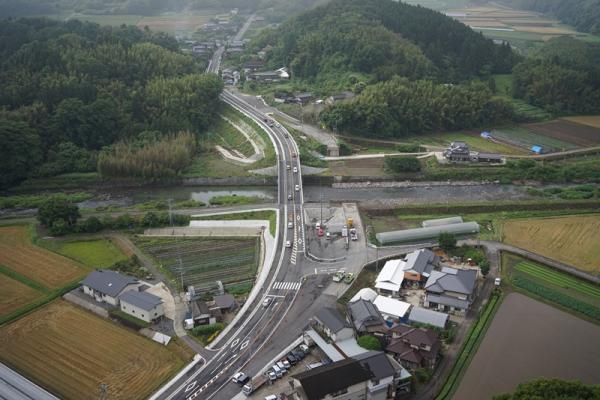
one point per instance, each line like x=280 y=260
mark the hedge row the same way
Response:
x=557 y=297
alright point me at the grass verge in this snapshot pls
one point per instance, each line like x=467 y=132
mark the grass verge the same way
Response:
x=268 y=215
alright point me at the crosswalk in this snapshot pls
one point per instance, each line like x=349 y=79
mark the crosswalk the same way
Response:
x=287 y=285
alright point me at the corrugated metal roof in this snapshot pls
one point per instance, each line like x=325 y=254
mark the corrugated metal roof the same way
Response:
x=431 y=232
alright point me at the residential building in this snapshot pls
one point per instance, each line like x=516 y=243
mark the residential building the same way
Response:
x=365 y=294
x=365 y=316
x=389 y=280
x=336 y=98
x=421 y=315
x=333 y=324
x=458 y=151
x=201 y=314
x=253 y=65
x=142 y=305
x=371 y=376
x=304 y=98
x=106 y=286
x=419 y=264
x=414 y=347
x=391 y=309
x=224 y=302
x=269 y=76
x=450 y=289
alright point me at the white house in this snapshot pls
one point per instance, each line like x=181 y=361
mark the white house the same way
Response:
x=142 y=305
x=106 y=286
x=389 y=280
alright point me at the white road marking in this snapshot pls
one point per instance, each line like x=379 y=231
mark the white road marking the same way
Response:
x=234 y=343
x=245 y=344
x=286 y=286
x=190 y=386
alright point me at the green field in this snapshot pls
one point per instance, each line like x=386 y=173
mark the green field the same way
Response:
x=474 y=141
x=524 y=138
x=99 y=253
x=559 y=279
x=553 y=286
x=204 y=260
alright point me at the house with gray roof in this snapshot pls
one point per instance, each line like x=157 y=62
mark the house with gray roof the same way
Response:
x=419 y=264
x=421 y=315
x=450 y=289
x=105 y=285
x=365 y=316
x=333 y=324
x=142 y=305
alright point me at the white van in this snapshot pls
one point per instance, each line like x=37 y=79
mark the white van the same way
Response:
x=271 y=397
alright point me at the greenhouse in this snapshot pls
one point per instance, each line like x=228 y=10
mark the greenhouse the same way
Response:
x=428 y=233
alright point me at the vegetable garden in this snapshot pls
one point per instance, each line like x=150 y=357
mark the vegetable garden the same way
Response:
x=205 y=261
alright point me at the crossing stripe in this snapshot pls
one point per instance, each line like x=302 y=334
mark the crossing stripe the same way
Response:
x=287 y=285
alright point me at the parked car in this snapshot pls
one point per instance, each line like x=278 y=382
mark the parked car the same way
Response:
x=327 y=236
x=305 y=349
x=281 y=366
x=272 y=375
x=286 y=364
x=349 y=278
x=293 y=360
x=338 y=276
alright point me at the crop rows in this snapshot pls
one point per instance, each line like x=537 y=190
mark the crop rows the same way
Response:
x=559 y=298
x=557 y=278
x=204 y=261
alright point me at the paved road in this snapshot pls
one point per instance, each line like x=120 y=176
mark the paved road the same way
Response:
x=15 y=387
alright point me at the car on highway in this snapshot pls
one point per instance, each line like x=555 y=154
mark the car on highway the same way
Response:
x=288 y=243
x=290 y=225
x=289 y=196
x=240 y=378
x=295 y=170
x=267 y=301
x=297 y=188
x=327 y=235
x=288 y=166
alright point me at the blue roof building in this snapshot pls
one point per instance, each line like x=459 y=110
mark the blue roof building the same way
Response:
x=536 y=149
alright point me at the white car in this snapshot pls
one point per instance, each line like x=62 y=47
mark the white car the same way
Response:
x=289 y=196
x=297 y=188
x=267 y=301
x=290 y=225
x=288 y=244
x=240 y=378
x=295 y=169
x=288 y=166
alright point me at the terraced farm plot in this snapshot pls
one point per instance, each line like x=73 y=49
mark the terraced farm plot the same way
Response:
x=15 y=295
x=557 y=278
x=574 y=240
x=205 y=260
x=589 y=120
x=70 y=352
x=21 y=256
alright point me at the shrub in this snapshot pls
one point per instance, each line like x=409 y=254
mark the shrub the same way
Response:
x=369 y=342
x=397 y=164
x=447 y=241
x=58 y=209
x=92 y=225
x=409 y=148
x=208 y=329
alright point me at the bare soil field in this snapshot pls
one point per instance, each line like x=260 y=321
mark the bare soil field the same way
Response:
x=582 y=135
x=590 y=120
x=574 y=240
x=20 y=255
x=15 y=295
x=527 y=340
x=70 y=351
x=359 y=167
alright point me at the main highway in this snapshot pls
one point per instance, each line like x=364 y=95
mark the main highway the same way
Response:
x=247 y=337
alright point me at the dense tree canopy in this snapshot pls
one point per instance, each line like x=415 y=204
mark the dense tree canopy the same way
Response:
x=563 y=77
x=400 y=107
x=383 y=37
x=69 y=89
x=553 y=389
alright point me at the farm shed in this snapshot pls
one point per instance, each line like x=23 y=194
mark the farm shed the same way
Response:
x=537 y=149
x=142 y=305
x=441 y=221
x=429 y=233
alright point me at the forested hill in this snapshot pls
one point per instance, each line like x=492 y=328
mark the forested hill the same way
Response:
x=383 y=38
x=68 y=89
x=582 y=14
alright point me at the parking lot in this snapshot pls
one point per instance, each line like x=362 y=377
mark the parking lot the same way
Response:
x=282 y=385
